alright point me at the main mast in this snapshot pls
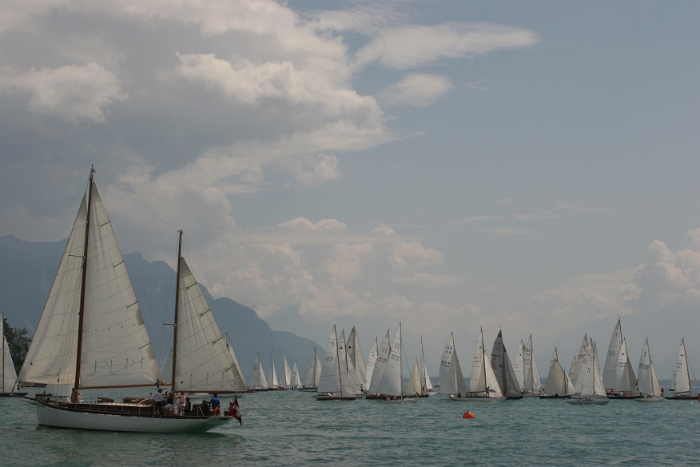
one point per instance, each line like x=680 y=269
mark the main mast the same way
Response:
x=177 y=305
x=81 y=313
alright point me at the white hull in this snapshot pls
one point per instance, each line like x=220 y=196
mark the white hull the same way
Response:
x=651 y=399
x=58 y=418
x=587 y=401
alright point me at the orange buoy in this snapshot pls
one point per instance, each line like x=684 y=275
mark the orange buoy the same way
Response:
x=468 y=415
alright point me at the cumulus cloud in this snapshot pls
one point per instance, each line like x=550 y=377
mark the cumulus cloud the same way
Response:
x=417 y=45
x=416 y=89
x=301 y=223
x=70 y=92
x=383 y=229
x=411 y=255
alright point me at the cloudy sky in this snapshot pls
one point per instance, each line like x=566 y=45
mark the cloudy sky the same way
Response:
x=449 y=164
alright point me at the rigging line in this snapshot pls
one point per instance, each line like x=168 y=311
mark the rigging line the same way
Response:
x=135 y=200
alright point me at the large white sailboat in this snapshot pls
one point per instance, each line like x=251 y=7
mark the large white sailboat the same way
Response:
x=353 y=380
x=452 y=382
x=313 y=374
x=589 y=385
x=558 y=384
x=390 y=386
x=532 y=386
x=483 y=386
x=648 y=383
x=91 y=334
x=680 y=381
x=10 y=384
x=333 y=384
x=503 y=369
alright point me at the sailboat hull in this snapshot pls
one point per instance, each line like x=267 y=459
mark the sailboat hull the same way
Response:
x=477 y=399
x=13 y=394
x=555 y=397
x=334 y=398
x=79 y=420
x=397 y=401
x=683 y=398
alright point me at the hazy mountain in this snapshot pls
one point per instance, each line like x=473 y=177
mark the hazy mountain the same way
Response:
x=27 y=270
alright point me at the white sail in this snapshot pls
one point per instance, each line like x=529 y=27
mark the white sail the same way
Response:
x=116 y=351
x=204 y=362
x=351 y=382
x=428 y=383
x=483 y=380
x=330 y=373
x=558 y=382
x=390 y=385
x=582 y=355
x=610 y=372
x=414 y=386
x=648 y=382
x=371 y=361
x=624 y=375
x=518 y=365
x=503 y=369
x=599 y=388
x=356 y=358
x=295 y=380
x=680 y=382
x=585 y=385
x=310 y=380
x=572 y=370
x=448 y=382
x=237 y=371
x=274 y=382
x=257 y=377
x=318 y=369
x=532 y=381
x=9 y=376
x=380 y=366
x=287 y=373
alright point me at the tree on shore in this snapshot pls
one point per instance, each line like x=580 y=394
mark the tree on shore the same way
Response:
x=18 y=342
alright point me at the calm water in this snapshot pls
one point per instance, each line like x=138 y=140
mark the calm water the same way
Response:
x=291 y=428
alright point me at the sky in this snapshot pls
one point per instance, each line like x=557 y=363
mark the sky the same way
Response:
x=528 y=166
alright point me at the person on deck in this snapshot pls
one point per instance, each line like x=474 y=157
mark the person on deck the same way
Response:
x=188 y=406
x=215 y=404
x=158 y=398
x=181 y=401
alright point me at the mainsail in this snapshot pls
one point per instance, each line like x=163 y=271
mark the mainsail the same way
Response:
x=115 y=349
x=355 y=357
x=518 y=365
x=532 y=383
x=311 y=380
x=203 y=360
x=380 y=366
x=390 y=384
x=483 y=380
x=611 y=377
x=680 y=382
x=451 y=377
x=414 y=385
x=502 y=368
x=257 y=377
x=287 y=373
x=371 y=361
x=9 y=376
x=558 y=382
x=296 y=380
x=274 y=382
x=648 y=382
x=582 y=355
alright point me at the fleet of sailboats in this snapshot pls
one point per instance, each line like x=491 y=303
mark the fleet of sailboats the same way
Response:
x=589 y=389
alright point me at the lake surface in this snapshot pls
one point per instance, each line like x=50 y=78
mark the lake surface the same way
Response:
x=292 y=428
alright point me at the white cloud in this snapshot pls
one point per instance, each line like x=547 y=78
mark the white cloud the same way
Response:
x=383 y=229
x=301 y=223
x=70 y=92
x=415 y=89
x=417 y=45
x=412 y=255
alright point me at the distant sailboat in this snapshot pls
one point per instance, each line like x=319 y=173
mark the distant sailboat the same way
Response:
x=483 y=386
x=274 y=382
x=558 y=385
x=371 y=362
x=452 y=382
x=502 y=368
x=532 y=386
x=10 y=385
x=518 y=366
x=680 y=382
x=379 y=367
x=648 y=382
x=589 y=386
x=313 y=375
x=577 y=364
x=357 y=360
x=333 y=384
x=389 y=389
x=258 y=381
x=426 y=385
x=295 y=379
x=618 y=374
x=414 y=386
x=353 y=380
x=287 y=374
